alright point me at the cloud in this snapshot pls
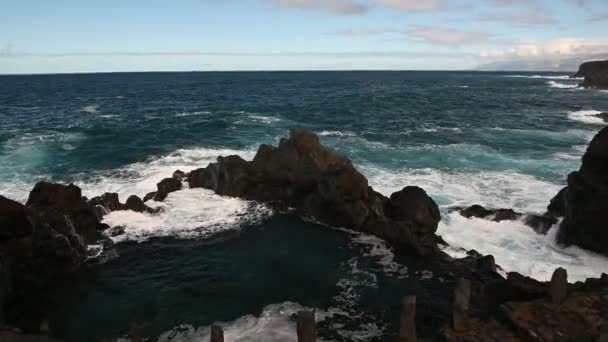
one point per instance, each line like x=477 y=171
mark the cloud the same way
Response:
x=413 y=5
x=288 y=54
x=599 y=17
x=438 y=35
x=518 y=18
x=550 y=48
x=363 y=31
x=341 y=7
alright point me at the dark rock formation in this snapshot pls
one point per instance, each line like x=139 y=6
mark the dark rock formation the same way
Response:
x=167 y=186
x=67 y=200
x=40 y=245
x=495 y=215
x=595 y=74
x=136 y=204
x=109 y=200
x=540 y=223
x=300 y=173
x=149 y=196
x=584 y=202
x=603 y=116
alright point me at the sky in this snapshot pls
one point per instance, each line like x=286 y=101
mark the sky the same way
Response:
x=64 y=36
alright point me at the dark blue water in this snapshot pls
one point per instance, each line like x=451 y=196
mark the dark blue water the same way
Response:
x=466 y=137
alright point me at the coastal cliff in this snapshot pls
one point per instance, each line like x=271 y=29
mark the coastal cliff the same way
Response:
x=595 y=74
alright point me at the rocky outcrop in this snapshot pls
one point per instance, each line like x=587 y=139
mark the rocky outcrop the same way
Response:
x=67 y=200
x=41 y=244
x=320 y=183
x=167 y=186
x=584 y=202
x=595 y=74
x=540 y=223
x=603 y=116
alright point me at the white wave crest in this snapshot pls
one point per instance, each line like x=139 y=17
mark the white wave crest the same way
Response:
x=558 y=85
x=517 y=247
x=546 y=77
x=336 y=134
x=587 y=116
x=491 y=188
x=90 y=109
x=273 y=325
x=187 y=214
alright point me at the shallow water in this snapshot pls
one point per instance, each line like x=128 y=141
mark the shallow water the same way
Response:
x=496 y=139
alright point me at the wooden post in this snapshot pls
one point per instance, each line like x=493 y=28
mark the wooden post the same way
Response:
x=460 y=308
x=135 y=333
x=306 y=327
x=558 y=287
x=217 y=333
x=407 y=329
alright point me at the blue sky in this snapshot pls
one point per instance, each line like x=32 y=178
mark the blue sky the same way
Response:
x=136 y=35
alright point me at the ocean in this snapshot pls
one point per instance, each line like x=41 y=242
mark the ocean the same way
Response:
x=495 y=139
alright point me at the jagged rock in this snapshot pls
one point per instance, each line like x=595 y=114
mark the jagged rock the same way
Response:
x=557 y=206
x=585 y=200
x=595 y=74
x=540 y=223
x=165 y=187
x=603 y=116
x=68 y=200
x=496 y=215
x=149 y=196
x=179 y=175
x=13 y=221
x=460 y=306
x=43 y=248
x=108 y=200
x=301 y=173
x=486 y=264
x=136 y=204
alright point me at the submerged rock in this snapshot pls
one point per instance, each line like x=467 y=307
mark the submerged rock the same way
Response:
x=136 y=204
x=595 y=74
x=540 y=223
x=584 y=203
x=301 y=173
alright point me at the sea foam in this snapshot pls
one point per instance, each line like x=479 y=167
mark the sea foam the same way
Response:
x=558 y=85
x=586 y=116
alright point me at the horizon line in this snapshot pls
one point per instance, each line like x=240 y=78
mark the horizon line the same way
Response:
x=274 y=70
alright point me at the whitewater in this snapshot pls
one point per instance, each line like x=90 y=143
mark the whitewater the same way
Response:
x=495 y=139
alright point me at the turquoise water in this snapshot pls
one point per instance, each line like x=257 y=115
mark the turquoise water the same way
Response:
x=497 y=139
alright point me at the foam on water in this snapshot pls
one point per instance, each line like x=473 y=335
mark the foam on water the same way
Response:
x=546 y=77
x=336 y=134
x=273 y=324
x=586 y=116
x=454 y=189
x=517 y=247
x=186 y=214
x=558 y=85
x=91 y=109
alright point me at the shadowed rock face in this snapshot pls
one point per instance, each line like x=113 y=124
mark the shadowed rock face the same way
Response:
x=320 y=183
x=584 y=202
x=39 y=246
x=595 y=74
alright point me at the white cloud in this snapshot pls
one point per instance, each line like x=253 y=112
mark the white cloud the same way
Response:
x=551 y=48
x=363 y=31
x=438 y=35
x=341 y=7
x=413 y=5
x=518 y=17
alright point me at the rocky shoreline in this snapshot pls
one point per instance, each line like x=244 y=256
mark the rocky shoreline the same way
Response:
x=595 y=74
x=44 y=242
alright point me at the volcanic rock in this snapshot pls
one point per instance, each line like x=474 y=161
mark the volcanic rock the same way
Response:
x=165 y=187
x=595 y=74
x=584 y=203
x=301 y=173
